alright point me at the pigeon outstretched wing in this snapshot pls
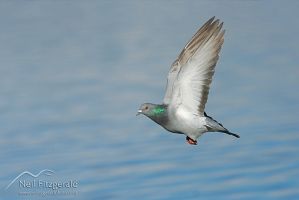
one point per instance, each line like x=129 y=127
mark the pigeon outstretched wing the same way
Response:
x=190 y=76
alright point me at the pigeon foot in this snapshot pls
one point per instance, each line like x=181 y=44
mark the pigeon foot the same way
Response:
x=191 y=141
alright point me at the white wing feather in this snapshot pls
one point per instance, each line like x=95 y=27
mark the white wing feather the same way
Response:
x=191 y=74
x=172 y=75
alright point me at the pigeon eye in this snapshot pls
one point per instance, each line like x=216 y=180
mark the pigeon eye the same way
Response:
x=146 y=107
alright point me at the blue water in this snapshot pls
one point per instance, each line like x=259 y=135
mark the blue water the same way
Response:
x=74 y=73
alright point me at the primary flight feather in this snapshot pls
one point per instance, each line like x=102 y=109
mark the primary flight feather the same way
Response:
x=188 y=85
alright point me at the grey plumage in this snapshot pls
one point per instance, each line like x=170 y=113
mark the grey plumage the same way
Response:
x=188 y=85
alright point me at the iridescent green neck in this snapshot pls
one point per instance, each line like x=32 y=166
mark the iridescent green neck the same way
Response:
x=159 y=114
x=159 y=110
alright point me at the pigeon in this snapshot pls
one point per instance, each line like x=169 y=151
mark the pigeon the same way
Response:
x=188 y=84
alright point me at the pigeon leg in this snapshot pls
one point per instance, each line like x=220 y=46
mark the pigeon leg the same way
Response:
x=191 y=141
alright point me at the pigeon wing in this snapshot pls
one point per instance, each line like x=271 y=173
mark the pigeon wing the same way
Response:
x=191 y=74
x=186 y=53
x=172 y=75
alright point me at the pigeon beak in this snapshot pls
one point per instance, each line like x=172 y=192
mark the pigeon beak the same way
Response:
x=139 y=112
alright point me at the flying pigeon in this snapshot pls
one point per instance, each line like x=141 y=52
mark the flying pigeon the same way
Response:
x=188 y=84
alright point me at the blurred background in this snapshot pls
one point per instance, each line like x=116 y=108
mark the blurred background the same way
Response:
x=74 y=73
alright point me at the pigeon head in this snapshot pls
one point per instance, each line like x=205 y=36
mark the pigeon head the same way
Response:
x=152 y=110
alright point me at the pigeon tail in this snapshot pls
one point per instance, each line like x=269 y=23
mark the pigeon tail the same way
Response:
x=230 y=133
x=214 y=126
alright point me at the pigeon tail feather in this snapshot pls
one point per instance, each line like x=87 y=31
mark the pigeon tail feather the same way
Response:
x=230 y=133
x=213 y=125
